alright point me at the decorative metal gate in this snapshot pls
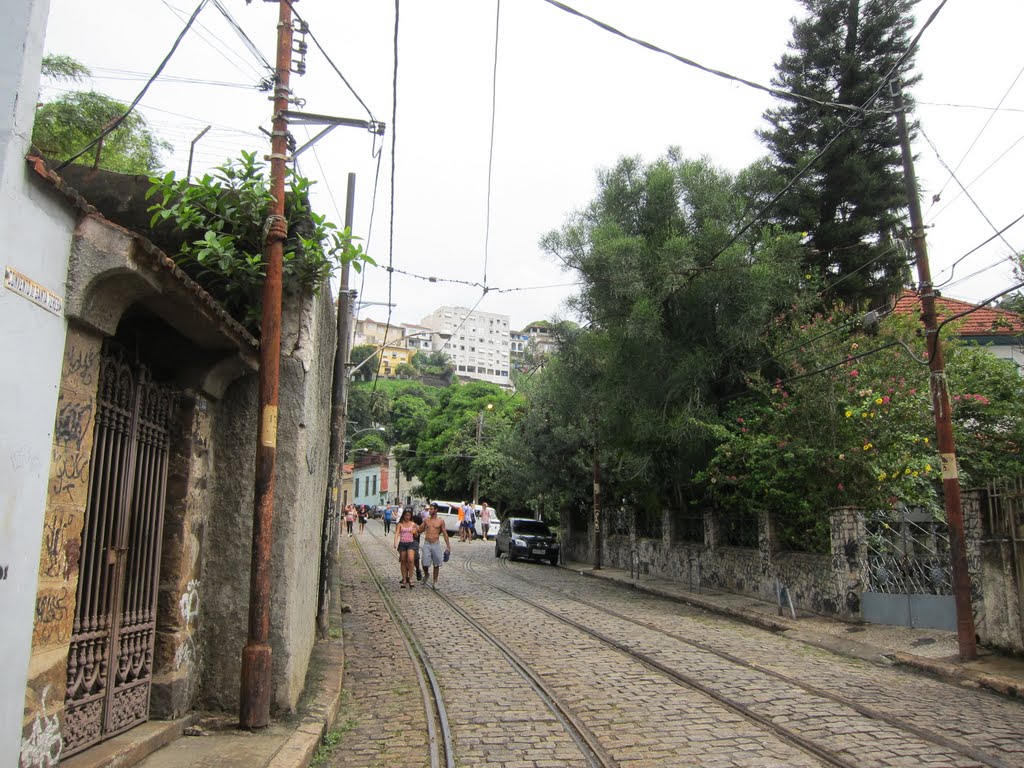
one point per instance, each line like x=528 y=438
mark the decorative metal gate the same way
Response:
x=909 y=571
x=110 y=663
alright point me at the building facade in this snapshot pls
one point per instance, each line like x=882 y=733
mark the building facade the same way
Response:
x=477 y=342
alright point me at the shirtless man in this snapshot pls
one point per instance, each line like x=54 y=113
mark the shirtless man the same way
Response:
x=433 y=528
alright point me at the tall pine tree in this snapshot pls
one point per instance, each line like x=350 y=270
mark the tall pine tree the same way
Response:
x=851 y=199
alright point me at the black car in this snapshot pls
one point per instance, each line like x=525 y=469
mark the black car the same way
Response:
x=525 y=538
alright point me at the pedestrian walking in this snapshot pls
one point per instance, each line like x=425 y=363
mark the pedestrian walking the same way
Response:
x=362 y=518
x=433 y=528
x=387 y=521
x=470 y=522
x=405 y=543
x=485 y=519
x=418 y=519
x=350 y=518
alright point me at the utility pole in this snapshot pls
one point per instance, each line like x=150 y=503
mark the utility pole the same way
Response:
x=254 y=704
x=940 y=397
x=339 y=415
x=597 y=505
x=479 y=437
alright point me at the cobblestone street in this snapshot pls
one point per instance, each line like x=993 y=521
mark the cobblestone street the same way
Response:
x=642 y=680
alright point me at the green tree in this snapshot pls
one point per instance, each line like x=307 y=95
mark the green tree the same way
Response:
x=222 y=217
x=850 y=201
x=436 y=363
x=359 y=354
x=443 y=453
x=71 y=121
x=673 y=322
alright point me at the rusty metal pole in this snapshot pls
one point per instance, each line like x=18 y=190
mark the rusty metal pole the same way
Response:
x=940 y=398
x=254 y=705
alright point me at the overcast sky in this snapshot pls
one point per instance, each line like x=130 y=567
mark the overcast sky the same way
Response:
x=570 y=99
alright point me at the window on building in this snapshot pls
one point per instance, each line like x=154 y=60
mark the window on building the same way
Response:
x=472 y=349
x=470 y=369
x=357 y=487
x=374 y=492
x=462 y=367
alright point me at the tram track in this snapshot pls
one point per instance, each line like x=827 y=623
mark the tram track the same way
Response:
x=690 y=681
x=433 y=698
x=586 y=741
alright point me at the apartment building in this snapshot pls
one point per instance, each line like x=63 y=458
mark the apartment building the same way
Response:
x=477 y=342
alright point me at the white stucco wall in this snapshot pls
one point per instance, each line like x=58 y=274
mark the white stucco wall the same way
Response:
x=35 y=229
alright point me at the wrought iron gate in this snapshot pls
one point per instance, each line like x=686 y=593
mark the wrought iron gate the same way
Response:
x=909 y=571
x=110 y=663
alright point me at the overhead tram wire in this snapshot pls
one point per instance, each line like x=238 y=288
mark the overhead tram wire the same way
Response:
x=256 y=52
x=954 y=177
x=490 y=150
x=968 y=106
x=391 y=213
x=117 y=122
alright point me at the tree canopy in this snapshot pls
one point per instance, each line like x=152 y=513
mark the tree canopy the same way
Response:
x=69 y=122
x=850 y=200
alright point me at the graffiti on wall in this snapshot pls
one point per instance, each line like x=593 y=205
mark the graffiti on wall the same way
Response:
x=60 y=552
x=188 y=605
x=53 y=617
x=43 y=747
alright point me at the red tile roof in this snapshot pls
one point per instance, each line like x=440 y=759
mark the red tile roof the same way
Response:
x=986 y=321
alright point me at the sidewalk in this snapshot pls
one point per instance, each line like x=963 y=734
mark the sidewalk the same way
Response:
x=932 y=651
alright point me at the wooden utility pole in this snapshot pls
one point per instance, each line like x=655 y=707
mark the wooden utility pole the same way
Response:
x=254 y=704
x=940 y=397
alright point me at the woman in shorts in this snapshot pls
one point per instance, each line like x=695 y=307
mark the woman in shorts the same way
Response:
x=362 y=518
x=405 y=543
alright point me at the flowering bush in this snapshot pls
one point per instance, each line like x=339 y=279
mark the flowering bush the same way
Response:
x=847 y=421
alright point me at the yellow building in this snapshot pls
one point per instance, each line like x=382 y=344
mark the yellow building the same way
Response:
x=391 y=357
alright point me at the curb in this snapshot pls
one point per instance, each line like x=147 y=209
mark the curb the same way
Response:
x=299 y=749
x=947 y=671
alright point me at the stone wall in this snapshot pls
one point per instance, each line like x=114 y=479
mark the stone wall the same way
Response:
x=308 y=336
x=178 y=662
x=61 y=545
x=828 y=584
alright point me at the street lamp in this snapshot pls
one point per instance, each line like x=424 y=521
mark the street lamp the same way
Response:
x=479 y=434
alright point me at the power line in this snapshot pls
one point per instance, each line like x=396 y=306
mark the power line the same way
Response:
x=256 y=52
x=217 y=48
x=952 y=175
x=968 y=106
x=980 y=245
x=938 y=195
x=691 y=63
x=330 y=61
x=114 y=125
x=971 y=183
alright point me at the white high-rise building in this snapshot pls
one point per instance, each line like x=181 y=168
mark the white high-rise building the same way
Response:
x=477 y=342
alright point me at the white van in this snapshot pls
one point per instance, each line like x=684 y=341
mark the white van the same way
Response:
x=449 y=512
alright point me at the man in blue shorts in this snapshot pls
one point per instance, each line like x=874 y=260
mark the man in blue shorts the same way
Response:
x=431 y=554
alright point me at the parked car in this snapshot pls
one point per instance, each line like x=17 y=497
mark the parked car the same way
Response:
x=526 y=538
